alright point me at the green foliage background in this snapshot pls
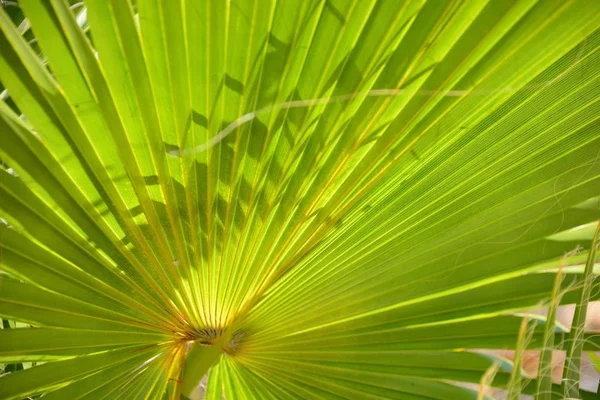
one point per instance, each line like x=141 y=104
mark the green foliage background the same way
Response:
x=303 y=199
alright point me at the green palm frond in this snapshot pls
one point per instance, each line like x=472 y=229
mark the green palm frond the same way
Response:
x=299 y=199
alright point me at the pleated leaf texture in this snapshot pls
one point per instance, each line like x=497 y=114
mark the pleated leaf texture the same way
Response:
x=292 y=199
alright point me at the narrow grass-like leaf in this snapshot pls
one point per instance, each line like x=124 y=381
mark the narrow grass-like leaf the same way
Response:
x=544 y=375
x=572 y=373
x=515 y=386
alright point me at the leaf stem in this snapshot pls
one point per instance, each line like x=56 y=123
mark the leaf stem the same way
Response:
x=200 y=359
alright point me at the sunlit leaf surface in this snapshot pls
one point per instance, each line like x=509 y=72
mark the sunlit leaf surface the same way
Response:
x=301 y=198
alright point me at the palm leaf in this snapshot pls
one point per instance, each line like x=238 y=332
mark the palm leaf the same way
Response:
x=299 y=199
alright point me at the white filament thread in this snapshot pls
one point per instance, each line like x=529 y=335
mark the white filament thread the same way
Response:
x=304 y=103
